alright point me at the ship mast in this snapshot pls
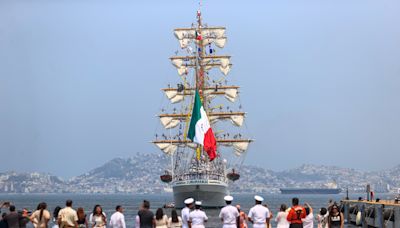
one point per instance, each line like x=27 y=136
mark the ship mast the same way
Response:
x=201 y=36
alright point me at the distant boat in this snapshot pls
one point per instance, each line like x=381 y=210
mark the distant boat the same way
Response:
x=169 y=190
x=331 y=188
x=169 y=205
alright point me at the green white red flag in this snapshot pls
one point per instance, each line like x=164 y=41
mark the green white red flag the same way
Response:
x=200 y=130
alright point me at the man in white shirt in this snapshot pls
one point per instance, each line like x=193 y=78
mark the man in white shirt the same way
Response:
x=259 y=215
x=117 y=219
x=229 y=214
x=186 y=211
x=197 y=218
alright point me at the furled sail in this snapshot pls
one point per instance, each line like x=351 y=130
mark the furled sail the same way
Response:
x=237 y=120
x=182 y=63
x=173 y=120
x=209 y=35
x=229 y=92
x=169 y=122
x=174 y=96
x=240 y=147
x=166 y=147
x=169 y=147
x=223 y=142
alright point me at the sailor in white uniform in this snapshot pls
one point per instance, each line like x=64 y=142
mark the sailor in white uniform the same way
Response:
x=259 y=215
x=186 y=211
x=229 y=214
x=197 y=218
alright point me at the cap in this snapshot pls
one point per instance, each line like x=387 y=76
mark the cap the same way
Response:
x=189 y=201
x=259 y=198
x=198 y=203
x=228 y=198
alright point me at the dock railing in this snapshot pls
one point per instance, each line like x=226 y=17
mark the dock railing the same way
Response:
x=380 y=214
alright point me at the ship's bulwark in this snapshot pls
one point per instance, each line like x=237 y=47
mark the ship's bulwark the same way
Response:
x=211 y=196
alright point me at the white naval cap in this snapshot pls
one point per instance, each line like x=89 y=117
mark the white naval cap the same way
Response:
x=189 y=201
x=259 y=198
x=228 y=198
x=198 y=203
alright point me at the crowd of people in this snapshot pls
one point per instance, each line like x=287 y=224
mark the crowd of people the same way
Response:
x=192 y=216
x=66 y=217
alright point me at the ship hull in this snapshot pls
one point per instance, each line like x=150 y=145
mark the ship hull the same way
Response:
x=310 y=190
x=210 y=192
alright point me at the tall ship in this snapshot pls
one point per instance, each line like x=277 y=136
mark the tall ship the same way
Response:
x=202 y=171
x=329 y=188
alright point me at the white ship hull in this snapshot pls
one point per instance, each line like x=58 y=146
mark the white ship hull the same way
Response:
x=210 y=192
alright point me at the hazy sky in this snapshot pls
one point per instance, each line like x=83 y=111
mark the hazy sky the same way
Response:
x=80 y=80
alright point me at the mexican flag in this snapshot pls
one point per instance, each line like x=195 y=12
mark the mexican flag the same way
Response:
x=200 y=130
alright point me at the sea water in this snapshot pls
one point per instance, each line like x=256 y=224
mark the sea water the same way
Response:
x=131 y=203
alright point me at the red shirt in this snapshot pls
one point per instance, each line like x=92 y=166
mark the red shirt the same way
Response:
x=295 y=215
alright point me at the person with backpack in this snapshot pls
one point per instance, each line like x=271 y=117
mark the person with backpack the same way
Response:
x=296 y=213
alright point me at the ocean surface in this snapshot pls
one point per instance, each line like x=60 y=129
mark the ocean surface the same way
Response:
x=132 y=202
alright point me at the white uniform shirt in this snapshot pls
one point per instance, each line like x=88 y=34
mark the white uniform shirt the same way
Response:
x=185 y=217
x=258 y=215
x=198 y=217
x=117 y=220
x=229 y=214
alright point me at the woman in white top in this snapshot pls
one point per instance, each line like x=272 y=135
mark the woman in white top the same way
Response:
x=98 y=218
x=175 y=221
x=161 y=219
x=280 y=219
x=41 y=217
x=308 y=221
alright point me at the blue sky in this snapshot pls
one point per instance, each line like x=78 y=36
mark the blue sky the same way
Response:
x=80 y=80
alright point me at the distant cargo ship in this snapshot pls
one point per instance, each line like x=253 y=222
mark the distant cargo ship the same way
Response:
x=310 y=190
x=331 y=188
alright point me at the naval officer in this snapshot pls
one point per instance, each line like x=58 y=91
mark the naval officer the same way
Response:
x=259 y=215
x=186 y=211
x=229 y=214
x=197 y=218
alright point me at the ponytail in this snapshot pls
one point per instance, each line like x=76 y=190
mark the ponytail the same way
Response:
x=42 y=207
